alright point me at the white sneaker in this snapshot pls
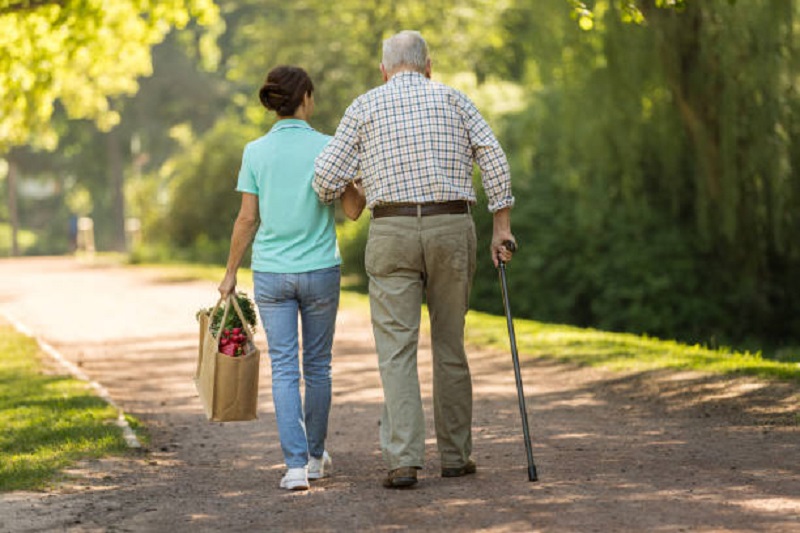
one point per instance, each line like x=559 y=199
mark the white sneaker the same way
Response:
x=295 y=479
x=319 y=468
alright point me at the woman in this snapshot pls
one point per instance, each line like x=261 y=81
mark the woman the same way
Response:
x=295 y=266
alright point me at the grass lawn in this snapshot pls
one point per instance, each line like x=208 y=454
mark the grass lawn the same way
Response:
x=619 y=351
x=47 y=421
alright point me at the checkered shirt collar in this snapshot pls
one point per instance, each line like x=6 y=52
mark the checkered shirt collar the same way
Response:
x=407 y=77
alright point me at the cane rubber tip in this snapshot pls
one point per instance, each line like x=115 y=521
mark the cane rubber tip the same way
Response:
x=532 y=474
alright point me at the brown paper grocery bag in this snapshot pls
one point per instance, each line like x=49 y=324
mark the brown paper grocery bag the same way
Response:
x=228 y=386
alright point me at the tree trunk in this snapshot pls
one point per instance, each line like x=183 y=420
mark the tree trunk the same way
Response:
x=117 y=188
x=12 y=206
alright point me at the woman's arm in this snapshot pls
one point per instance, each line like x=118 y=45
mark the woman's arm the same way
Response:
x=244 y=229
x=353 y=200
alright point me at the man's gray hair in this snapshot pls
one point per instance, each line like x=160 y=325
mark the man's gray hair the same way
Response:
x=406 y=49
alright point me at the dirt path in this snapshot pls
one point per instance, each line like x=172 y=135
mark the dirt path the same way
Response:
x=616 y=452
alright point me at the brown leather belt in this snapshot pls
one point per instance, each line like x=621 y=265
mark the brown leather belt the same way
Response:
x=457 y=207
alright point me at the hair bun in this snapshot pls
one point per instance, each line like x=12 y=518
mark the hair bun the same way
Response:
x=272 y=96
x=285 y=89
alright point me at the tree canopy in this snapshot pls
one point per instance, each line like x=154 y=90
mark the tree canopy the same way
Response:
x=79 y=53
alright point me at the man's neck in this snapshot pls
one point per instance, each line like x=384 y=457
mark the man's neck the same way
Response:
x=388 y=77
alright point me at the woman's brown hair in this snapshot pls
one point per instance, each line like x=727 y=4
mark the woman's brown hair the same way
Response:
x=284 y=89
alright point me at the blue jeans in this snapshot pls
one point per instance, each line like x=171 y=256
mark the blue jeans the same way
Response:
x=315 y=296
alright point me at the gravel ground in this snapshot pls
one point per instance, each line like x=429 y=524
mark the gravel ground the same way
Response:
x=654 y=451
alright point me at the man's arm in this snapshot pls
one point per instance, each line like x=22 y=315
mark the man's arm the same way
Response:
x=338 y=164
x=244 y=229
x=501 y=232
x=495 y=176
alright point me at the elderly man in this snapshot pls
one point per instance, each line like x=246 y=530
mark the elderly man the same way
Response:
x=413 y=143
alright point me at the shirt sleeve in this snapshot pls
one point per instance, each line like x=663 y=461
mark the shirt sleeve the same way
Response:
x=247 y=179
x=489 y=156
x=339 y=162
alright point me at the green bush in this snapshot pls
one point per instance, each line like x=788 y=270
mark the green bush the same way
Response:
x=203 y=201
x=25 y=239
x=352 y=236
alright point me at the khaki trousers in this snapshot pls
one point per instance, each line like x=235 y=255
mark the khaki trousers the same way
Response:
x=408 y=258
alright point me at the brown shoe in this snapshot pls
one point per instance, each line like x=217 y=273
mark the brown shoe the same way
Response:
x=402 y=477
x=458 y=471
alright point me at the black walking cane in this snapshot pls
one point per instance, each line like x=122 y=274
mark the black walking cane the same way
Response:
x=511 y=247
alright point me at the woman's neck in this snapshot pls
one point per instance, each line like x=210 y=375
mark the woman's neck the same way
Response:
x=301 y=113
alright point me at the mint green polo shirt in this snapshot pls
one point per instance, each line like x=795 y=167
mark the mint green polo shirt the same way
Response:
x=297 y=232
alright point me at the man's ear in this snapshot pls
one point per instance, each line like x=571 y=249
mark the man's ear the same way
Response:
x=428 y=68
x=384 y=74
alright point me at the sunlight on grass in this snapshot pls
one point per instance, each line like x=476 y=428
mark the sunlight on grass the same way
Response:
x=619 y=351
x=47 y=422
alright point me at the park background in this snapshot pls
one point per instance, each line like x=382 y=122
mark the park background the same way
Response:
x=653 y=143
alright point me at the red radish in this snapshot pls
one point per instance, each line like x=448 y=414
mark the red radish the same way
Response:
x=228 y=349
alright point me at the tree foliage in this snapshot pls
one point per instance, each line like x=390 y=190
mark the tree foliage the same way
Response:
x=663 y=158
x=78 y=53
x=343 y=60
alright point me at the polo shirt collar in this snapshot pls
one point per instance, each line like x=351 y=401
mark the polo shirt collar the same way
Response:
x=290 y=123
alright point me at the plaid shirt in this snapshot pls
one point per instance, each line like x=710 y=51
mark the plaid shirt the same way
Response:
x=414 y=141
